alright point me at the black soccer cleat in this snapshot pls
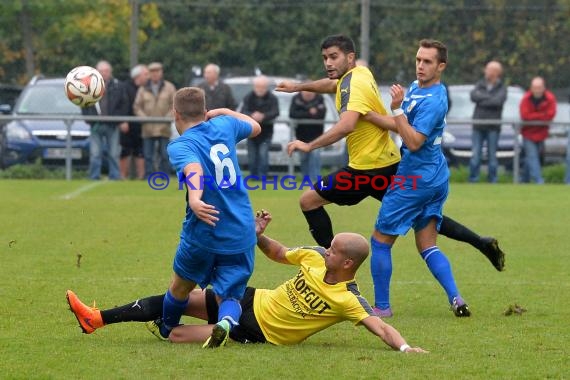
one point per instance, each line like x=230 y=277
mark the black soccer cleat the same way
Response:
x=490 y=248
x=460 y=308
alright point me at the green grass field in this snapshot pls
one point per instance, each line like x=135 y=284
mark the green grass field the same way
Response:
x=127 y=233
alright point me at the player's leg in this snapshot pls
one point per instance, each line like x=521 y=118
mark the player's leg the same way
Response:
x=175 y=302
x=488 y=246
x=248 y=330
x=229 y=283
x=317 y=218
x=191 y=266
x=339 y=188
x=381 y=271
x=141 y=310
x=398 y=210
x=426 y=225
x=440 y=268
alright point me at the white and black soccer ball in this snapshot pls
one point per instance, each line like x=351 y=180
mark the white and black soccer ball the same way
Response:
x=84 y=86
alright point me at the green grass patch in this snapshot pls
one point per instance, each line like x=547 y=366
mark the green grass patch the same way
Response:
x=127 y=234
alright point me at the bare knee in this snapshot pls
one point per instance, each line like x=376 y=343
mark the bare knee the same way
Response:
x=310 y=200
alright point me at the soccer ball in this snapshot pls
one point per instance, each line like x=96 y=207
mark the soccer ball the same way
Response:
x=84 y=86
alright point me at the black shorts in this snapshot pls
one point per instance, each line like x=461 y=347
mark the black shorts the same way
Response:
x=348 y=186
x=131 y=142
x=248 y=330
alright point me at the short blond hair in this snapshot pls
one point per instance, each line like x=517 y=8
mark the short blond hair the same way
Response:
x=190 y=102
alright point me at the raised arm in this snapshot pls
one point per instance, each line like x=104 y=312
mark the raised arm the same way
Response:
x=271 y=248
x=389 y=335
x=322 y=86
x=343 y=127
x=256 y=128
x=412 y=138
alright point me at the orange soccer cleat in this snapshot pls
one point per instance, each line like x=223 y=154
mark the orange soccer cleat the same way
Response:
x=89 y=318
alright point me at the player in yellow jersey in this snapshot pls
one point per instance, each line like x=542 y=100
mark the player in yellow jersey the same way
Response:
x=324 y=292
x=373 y=157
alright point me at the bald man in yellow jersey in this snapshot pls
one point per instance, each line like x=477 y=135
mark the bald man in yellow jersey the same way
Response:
x=373 y=156
x=324 y=292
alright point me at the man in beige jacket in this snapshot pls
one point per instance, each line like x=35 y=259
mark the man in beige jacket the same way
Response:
x=155 y=99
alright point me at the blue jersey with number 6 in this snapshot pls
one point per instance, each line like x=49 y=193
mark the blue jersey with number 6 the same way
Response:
x=212 y=144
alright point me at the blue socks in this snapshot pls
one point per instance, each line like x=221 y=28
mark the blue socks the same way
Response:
x=230 y=310
x=172 y=310
x=439 y=266
x=381 y=269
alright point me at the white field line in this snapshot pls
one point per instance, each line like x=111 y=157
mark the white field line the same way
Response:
x=81 y=190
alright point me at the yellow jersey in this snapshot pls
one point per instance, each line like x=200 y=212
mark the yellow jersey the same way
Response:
x=306 y=304
x=369 y=147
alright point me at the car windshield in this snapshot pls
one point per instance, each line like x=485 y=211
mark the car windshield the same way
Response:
x=46 y=99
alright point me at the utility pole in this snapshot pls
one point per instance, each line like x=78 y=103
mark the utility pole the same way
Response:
x=365 y=30
x=134 y=42
x=26 y=25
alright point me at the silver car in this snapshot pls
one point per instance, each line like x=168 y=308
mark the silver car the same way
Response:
x=332 y=156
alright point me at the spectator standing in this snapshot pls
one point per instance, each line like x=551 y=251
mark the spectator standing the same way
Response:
x=537 y=104
x=309 y=105
x=567 y=176
x=489 y=95
x=105 y=135
x=155 y=99
x=131 y=138
x=263 y=107
x=218 y=94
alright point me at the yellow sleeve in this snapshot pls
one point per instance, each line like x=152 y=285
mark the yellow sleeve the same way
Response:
x=359 y=100
x=356 y=307
x=300 y=254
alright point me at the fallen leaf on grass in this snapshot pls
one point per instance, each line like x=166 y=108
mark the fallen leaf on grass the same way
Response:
x=514 y=309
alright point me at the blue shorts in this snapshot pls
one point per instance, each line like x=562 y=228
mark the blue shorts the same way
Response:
x=403 y=209
x=228 y=274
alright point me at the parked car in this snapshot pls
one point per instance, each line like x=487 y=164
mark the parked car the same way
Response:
x=332 y=156
x=8 y=95
x=457 y=140
x=28 y=140
x=556 y=144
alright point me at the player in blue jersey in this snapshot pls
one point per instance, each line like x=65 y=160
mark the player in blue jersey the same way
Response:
x=417 y=203
x=218 y=233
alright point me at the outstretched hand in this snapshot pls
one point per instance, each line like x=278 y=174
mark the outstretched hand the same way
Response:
x=417 y=350
x=297 y=145
x=286 y=86
x=262 y=219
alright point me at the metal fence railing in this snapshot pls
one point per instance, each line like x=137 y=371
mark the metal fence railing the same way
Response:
x=516 y=126
x=291 y=123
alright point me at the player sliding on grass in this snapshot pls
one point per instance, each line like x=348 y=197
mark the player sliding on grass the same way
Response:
x=322 y=294
x=371 y=151
x=212 y=250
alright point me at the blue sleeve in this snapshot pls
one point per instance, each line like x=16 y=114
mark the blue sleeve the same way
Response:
x=429 y=115
x=242 y=128
x=180 y=155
